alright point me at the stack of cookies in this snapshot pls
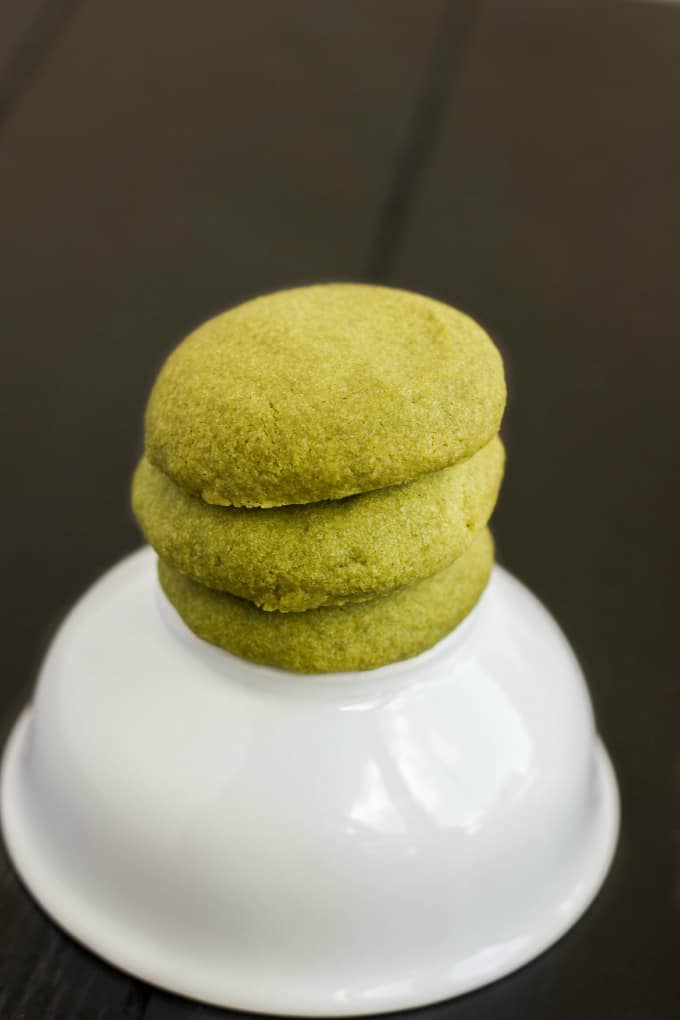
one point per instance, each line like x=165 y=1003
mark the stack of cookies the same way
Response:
x=320 y=466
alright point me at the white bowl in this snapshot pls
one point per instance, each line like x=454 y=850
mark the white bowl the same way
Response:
x=311 y=845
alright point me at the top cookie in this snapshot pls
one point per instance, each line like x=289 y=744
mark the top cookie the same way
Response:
x=321 y=392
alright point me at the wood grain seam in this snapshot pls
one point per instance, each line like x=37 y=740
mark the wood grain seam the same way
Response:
x=137 y=1000
x=423 y=127
x=30 y=53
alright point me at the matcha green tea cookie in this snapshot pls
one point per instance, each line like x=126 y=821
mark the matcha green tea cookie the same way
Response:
x=304 y=556
x=320 y=392
x=337 y=638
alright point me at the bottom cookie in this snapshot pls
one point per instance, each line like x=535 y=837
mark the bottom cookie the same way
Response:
x=335 y=639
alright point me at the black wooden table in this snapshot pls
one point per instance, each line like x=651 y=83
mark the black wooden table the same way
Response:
x=161 y=160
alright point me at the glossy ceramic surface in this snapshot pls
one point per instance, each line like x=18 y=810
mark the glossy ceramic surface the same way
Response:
x=310 y=845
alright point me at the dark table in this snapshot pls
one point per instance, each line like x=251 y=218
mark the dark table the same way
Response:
x=161 y=160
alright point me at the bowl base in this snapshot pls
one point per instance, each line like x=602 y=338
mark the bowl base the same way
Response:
x=119 y=941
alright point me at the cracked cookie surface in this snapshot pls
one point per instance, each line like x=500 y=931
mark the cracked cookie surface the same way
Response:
x=322 y=392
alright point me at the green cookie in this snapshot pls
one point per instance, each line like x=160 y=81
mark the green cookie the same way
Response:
x=337 y=638
x=320 y=392
x=300 y=557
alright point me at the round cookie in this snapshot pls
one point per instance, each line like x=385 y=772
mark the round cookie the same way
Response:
x=300 y=557
x=337 y=638
x=321 y=392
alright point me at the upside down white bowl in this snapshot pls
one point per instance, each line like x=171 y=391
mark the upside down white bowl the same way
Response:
x=311 y=845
